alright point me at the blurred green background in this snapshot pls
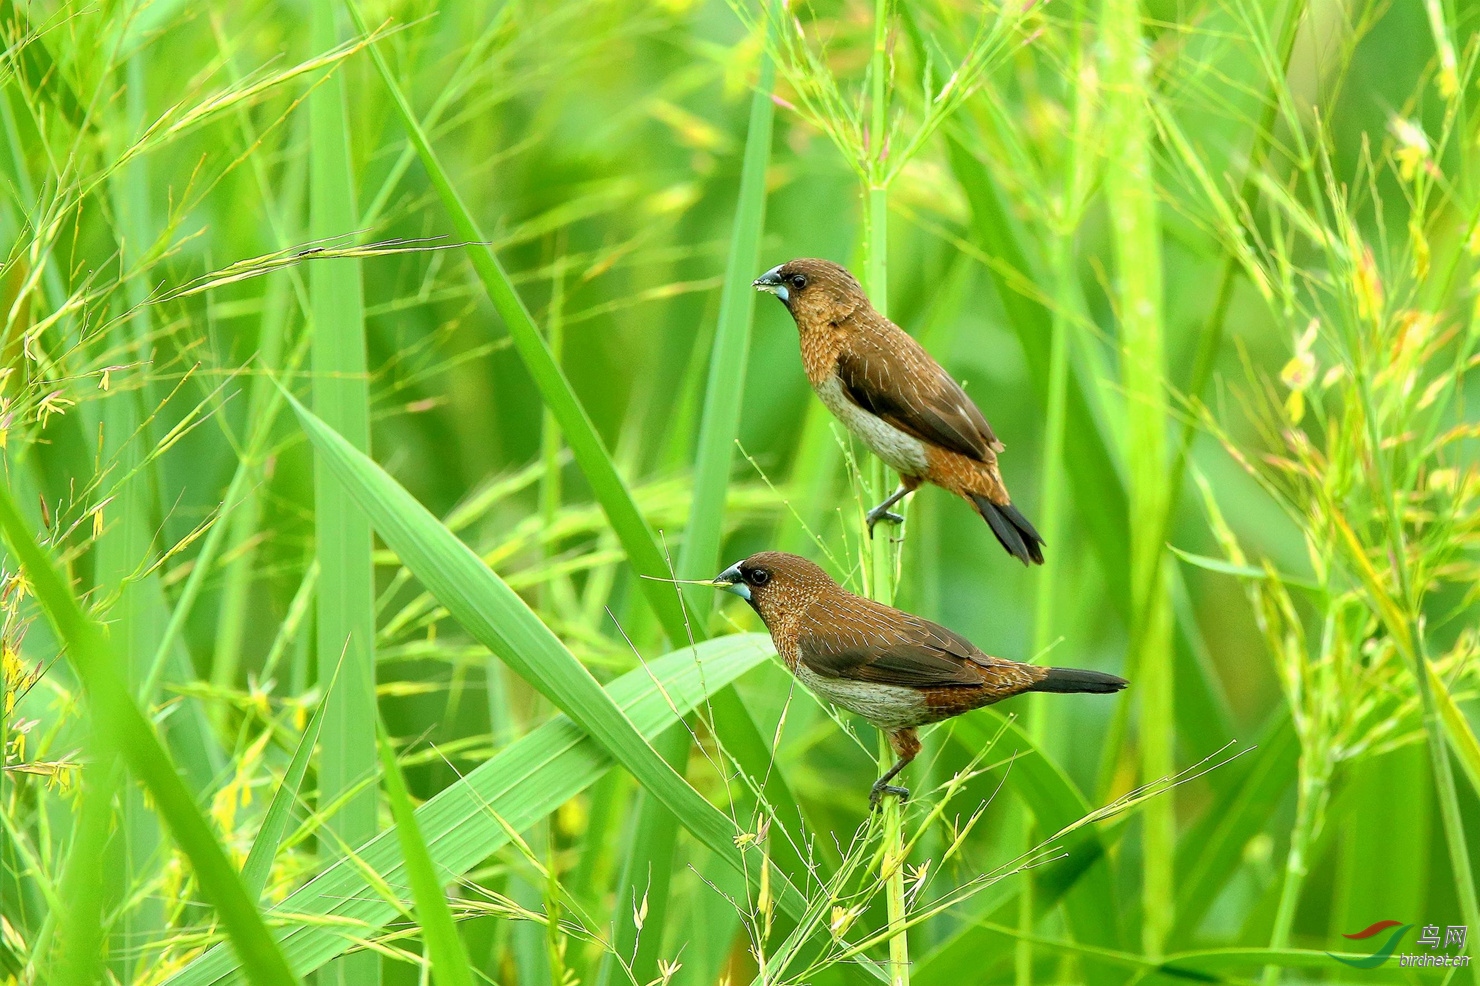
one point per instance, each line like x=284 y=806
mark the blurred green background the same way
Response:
x=1247 y=223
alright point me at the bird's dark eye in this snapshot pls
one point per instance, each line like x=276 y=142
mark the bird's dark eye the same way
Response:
x=758 y=576
x=798 y=281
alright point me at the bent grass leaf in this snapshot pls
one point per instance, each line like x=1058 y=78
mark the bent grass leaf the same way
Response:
x=498 y=618
x=472 y=819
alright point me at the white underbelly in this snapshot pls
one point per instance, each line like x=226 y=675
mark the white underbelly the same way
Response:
x=904 y=453
x=886 y=706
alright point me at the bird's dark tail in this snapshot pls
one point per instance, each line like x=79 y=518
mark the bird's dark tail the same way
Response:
x=1076 y=680
x=1012 y=529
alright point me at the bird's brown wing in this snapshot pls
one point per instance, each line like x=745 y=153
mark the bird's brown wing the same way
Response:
x=845 y=636
x=891 y=375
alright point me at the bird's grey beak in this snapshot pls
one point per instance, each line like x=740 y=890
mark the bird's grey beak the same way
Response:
x=770 y=282
x=730 y=581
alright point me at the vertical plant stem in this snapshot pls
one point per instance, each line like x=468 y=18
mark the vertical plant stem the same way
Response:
x=559 y=590
x=126 y=547
x=720 y=425
x=1210 y=340
x=346 y=613
x=285 y=214
x=1310 y=804
x=882 y=551
x=1131 y=192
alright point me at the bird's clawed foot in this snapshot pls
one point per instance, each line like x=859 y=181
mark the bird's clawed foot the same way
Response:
x=881 y=512
x=880 y=788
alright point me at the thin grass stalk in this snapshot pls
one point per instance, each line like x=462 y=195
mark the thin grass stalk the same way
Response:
x=883 y=551
x=346 y=601
x=243 y=523
x=1131 y=198
x=237 y=578
x=559 y=590
x=1310 y=802
x=720 y=424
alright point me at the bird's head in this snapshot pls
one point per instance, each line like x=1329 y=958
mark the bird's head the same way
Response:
x=776 y=584
x=814 y=291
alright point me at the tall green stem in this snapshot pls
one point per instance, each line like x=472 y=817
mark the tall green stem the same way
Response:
x=1310 y=805
x=725 y=392
x=346 y=607
x=1130 y=184
x=883 y=551
x=558 y=591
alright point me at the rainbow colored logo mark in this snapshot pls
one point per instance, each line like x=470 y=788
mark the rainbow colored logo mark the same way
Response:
x=1384 y=953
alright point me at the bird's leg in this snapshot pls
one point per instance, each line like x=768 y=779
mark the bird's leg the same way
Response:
x=882 y=511
x=905 y=743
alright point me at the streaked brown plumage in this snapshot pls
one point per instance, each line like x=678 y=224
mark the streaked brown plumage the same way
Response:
x=887 y=390
x=896 y=670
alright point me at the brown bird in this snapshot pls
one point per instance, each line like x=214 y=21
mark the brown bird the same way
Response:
x=896 y=670
x=887 y=390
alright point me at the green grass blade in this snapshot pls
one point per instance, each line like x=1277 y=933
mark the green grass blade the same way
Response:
x=471 y=819
x=1131 y=200
x=699 y=556
x=580 y=434
x=122 y=730
x=496 y=616
x=449 y=958
x=127 y=543
x=346 y=600
x=258 y=866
